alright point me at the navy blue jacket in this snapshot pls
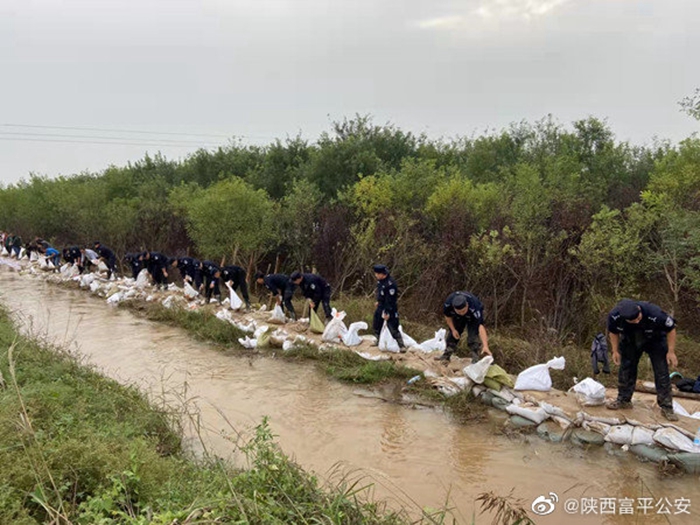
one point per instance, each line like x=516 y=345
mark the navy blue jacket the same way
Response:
x=277 y=283
x=475 y=314
x=314 y=286
x=655 y=323
x=387 y=295
x=233 y=273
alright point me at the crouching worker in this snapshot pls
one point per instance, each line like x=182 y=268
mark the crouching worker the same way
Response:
x=636 y=327
x=211 y=273
x=156 y=264
x=315 y=289
x=53 y=255
x=190 y=270
x=135 y=261
x=281 y=288
x=386 y=306
x=464 y=310
x=107 y=257
x=235 y=276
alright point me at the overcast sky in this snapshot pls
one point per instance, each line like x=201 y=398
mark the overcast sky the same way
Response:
x=261 y=69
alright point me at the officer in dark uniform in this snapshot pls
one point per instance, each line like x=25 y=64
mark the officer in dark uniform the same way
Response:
x=107 y=256
x=211 y=273
x=281 y=287
x=636 y=327
x=156 y=264
x=236 y=277
x=190 y=270
x=136 y=262
x=387 y=309
x=464 y=310
x=316 y=289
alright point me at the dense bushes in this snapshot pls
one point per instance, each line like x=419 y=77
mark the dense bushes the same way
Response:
x=549 y=225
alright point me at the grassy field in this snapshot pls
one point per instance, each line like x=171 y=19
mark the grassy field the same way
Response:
x=76 y=447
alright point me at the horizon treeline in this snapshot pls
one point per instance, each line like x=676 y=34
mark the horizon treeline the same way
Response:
x=549 y=225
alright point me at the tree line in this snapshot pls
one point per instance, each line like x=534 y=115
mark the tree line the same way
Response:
x=548 y=224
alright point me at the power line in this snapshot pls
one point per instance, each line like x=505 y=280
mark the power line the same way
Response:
x=78 y=128
x=90 y=137
x=151 y=144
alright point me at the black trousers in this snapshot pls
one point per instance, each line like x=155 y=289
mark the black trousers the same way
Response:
x=208 y=289
x=287 y=301
x=473 y=340
x=325 y=300
x=159 y=278
x=111 y=266
x=392 y=324
x=631 y=350
x=243 y=286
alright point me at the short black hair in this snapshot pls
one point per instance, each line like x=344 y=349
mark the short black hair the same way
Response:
x=628 y=309
x=295 y=276
x=259 y=275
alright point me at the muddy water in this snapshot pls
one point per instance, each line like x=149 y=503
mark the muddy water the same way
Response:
x=413 y=456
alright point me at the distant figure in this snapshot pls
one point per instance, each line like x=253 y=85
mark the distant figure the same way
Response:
x=281 y=288
x=53 y=256
x=387 y=309
x=236 y=277
x=88 y=258
x=107 y=256
x=315 y=289
x=599 y=354
x=212 y=274
x=156 y=264
x=636 y=327
x=190 y=270
x=136 y=262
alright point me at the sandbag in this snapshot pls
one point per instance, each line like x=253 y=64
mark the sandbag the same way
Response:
x=235 y=302
x=168 y=302
x=673 y=439
x=277 y=315
x=436 y=343
x=102 y=267
x=114 y=298
x=142 y=279
x=352 y=337
x=248 y=343
x=496 y=378
x=535 y=414
x=642 y=436
x=372 y=357
x=263 y=340
x=335 y=329
x=4 y=252
x=477 y=371
x=408 y=341
x=315 y=323
x=94 y=286
x=537 y=377
x=589 y=392
x=189 y=291
x=387 y=343
x=620 y=434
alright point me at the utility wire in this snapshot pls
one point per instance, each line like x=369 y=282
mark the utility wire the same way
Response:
x=90 y=137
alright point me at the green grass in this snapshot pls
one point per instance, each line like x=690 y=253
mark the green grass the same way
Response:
x=78 y=448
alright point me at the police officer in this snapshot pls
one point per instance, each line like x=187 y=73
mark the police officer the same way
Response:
x=156 y=264
x=107 y=256
x=636 y=327
x=136 y=262
x=190 y=270
x=464 y=310
x=235 y=276
x=211 y=273
x=71 y=254
x=281 y=287
x=386 y=307
x=315 y=289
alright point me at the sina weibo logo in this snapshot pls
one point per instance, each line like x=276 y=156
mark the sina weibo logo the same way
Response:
x=542 y=506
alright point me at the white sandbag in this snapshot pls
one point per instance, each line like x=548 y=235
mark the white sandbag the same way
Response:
x=168 y=302
x=477 y=371
x=189 y=291
x=680 y=409
x=674 y=440
x=43 y=264
x=5 y=253
x=620 y=434
x=386 y=342
x=642 y=436
x=234 y=301
x=94 y=286
x=114 y=298
x=22 y=253
x=142 y=279
x=464 y=383
x=224 y=315
x=50 y=264
x=287 y=346
x=335 y=329
x=352 y=337
x=537 y=377
x=277 y=315
x=536 y=414
x=436 y=343
x=86 y=280
x=408 y=341
x=589 y=392
x=102 y=267
x=371 y=357
x=247 y=342
x=64 y=269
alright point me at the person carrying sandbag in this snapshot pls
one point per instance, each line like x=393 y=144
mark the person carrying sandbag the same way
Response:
x=281 y=288
x=235 y=276
x=464 y=310
x=387 y=310
x=107 y=256
x=316 y=289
